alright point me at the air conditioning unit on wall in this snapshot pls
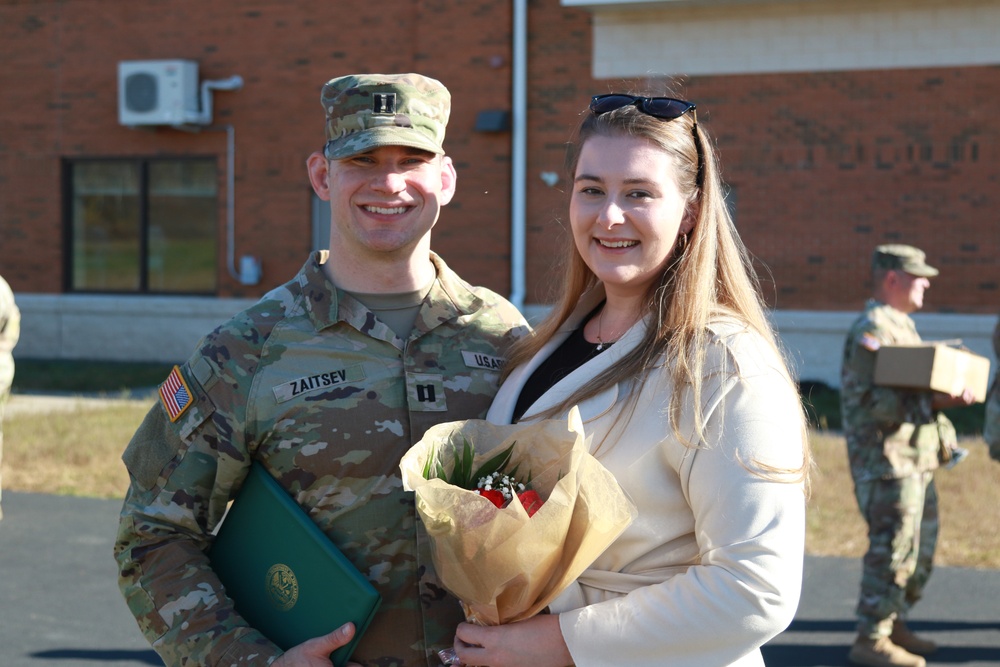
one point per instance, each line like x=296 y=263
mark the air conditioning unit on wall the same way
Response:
x=157 y=92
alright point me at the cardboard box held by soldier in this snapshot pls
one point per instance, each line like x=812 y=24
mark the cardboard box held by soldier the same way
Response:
x=933 y=366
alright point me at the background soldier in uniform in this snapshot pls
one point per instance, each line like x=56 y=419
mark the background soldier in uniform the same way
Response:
x=327 y=381
x=991 y=429
x=894 y=440
x=10 y=329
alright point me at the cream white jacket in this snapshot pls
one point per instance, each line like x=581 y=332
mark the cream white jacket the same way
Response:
x=712 y=567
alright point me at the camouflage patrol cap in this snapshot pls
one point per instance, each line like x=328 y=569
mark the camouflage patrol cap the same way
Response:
x=899 y=257
x=365 y=111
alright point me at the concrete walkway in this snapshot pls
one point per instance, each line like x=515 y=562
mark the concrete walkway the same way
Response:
x=960 y=611
x=20 y=404
x=59 y=599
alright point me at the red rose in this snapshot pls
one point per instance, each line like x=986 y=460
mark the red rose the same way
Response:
x=494 y=496
x=530 y=500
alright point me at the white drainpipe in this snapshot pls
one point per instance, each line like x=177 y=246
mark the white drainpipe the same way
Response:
x=519 y=142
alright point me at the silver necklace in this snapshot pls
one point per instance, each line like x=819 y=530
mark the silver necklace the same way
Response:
x=600 y=327
x=601 y=343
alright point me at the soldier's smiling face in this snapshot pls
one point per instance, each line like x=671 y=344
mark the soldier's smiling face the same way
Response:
x=385 y=200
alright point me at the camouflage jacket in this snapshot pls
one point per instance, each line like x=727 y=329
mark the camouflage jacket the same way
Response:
x=309 y=382
x=991 y=430
x=890 y=432
x=10 y=330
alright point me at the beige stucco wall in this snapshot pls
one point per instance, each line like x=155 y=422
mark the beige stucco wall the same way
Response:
x=710 y=38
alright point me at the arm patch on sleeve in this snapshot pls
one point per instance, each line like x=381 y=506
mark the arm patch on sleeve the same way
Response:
x=162 y=436
x=175 y=394
x=154 y=445
x=869 y=342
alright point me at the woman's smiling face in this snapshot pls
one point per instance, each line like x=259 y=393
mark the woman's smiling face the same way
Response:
x=626 y=211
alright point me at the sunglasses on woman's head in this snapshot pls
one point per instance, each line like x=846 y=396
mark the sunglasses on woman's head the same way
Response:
x=664 y=108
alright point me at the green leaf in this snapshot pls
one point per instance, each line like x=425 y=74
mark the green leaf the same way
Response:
x=433 y=469
x=429 y=463
x=495 y=464
x=468 y=456
x=462 y=474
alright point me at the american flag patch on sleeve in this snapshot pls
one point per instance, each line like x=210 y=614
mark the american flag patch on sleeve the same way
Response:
x=175 y=394
x=869 y=342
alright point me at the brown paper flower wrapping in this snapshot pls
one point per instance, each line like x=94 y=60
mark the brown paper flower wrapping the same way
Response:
x=503 y=565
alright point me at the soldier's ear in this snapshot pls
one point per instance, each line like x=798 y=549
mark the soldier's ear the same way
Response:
x=449 y=180
x=319 y=175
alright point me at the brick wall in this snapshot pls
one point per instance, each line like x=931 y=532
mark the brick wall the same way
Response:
x=60 y=101
x=824 y=166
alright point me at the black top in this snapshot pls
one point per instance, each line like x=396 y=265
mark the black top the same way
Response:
x=573 y=353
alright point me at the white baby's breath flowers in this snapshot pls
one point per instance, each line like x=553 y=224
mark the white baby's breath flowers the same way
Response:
x=502 y=483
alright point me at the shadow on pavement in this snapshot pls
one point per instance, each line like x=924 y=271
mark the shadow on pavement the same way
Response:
x=100 y=656
x=798 y=646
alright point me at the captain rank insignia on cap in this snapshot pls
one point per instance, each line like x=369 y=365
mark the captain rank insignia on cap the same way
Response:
x=384 y=104
x=175 y=394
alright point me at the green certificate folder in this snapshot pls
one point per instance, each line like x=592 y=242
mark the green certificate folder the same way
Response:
x=285 y=576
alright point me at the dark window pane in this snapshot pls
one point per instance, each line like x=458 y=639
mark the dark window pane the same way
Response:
x=182 y=226
x=105 y=220
x=110 y=248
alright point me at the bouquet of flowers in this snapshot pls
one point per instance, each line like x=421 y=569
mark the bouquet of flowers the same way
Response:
x=507 y=548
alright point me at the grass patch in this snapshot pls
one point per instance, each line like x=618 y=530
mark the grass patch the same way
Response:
x=834 y=526
x=71 y=452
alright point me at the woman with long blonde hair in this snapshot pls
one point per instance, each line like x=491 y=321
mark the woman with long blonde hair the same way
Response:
x=660 y=338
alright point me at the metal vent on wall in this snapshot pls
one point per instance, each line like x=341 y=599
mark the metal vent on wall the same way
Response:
x=157 y=92
x=141 y=92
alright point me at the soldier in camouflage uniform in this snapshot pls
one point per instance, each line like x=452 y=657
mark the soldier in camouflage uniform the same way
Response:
x=894 y=440
x=991 y=429
x=326 y=381
x=10 y=330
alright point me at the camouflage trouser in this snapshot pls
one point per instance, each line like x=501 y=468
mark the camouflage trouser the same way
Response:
x=902 y=517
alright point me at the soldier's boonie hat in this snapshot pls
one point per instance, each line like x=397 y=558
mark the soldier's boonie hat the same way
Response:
x=366 y=111
x=899 y=257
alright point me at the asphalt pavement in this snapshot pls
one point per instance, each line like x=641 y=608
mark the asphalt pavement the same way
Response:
x=60 y=605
